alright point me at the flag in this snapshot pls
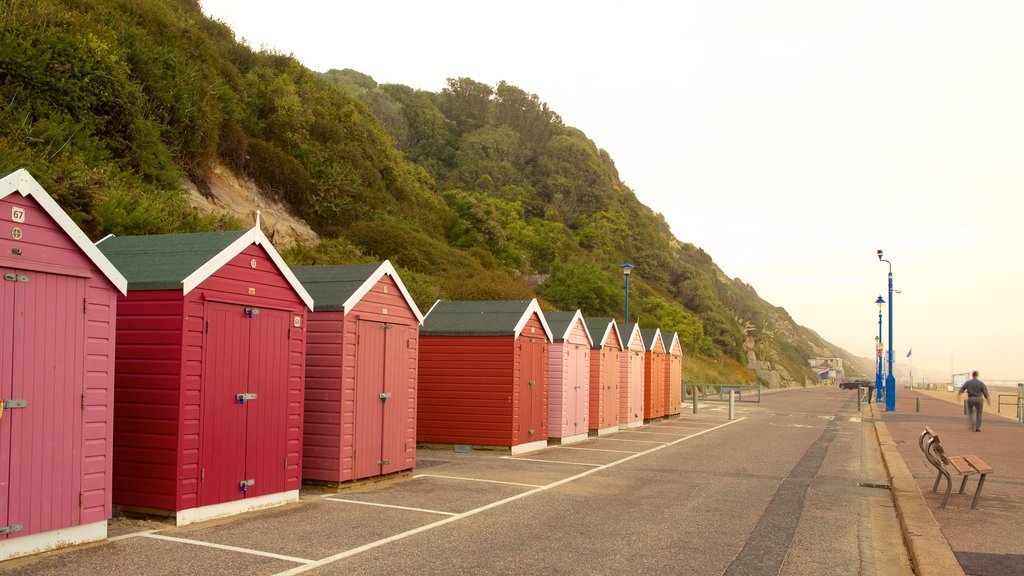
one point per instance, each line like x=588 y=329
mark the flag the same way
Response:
x=909 y=351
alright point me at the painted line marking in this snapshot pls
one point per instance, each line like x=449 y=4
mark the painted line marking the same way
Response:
x=476 y=480
x=549 y=461
x=134 y=534
x=391 y=506
x=646 y=432
x=594 y=449
x=630 y=440
x=229 y=548
x=467 y=514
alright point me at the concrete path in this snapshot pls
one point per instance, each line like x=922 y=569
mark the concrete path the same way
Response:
x=793 y=486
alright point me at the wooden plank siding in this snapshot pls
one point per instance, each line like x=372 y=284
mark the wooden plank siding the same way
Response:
x=98 y=415
x=569 y=384
x=674 y=378
x=604 y=381
x=147 y=398
x=654 y=380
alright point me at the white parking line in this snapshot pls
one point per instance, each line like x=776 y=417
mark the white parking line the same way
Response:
x=475 y=480
x=548 y=461
x=391 y=506
x=593 y=449
x=646 y=432
x=629 y=440
x=229 y=548
x=539 y=489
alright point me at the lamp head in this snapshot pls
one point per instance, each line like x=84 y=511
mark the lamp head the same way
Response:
x=879 y=254
x=880 y=302
x=626 y=268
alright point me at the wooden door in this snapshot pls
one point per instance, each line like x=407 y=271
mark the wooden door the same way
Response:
x=532 y=384
x=577 y=366
x=610 y=381
x=266 y=426
x=398 y=445
x=42 y=348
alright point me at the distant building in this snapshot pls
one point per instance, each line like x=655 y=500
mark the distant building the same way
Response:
x=829 y=370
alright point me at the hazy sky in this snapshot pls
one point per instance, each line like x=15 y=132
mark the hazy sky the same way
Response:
x=790 y=140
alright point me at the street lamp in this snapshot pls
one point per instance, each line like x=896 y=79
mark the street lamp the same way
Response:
x=890 y=379
x=878 y=352
x=626 y=268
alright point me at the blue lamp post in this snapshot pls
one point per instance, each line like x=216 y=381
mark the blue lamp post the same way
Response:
x=626 y=268
x=890 y=379
x=878 y=352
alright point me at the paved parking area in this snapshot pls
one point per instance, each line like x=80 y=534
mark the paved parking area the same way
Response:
x=325 y=527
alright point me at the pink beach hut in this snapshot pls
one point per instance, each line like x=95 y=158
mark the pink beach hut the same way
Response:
x=674 y=376
x=58 y=304
x=568 y=377
x=605 y=357
x=361 y=355
x=631 y=377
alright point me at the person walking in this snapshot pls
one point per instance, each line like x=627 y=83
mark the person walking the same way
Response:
x=975 y=389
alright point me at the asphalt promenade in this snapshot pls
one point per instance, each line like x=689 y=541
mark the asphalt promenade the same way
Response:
x=986 y=541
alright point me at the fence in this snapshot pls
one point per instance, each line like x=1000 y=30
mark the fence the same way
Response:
x=720 y=392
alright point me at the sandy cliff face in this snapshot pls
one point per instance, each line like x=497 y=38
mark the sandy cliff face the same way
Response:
x=241 y=198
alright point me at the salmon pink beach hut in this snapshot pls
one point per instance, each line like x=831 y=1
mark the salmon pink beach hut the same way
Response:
x=605 y=356
x=674 y=376
x=568 y=377
x=58 y=302
x=631 y=377
x=654 y=374
x=483 y=375
x=362 y=342
x=209 y=374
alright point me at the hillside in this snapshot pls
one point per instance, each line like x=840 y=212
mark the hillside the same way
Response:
x=474 y=192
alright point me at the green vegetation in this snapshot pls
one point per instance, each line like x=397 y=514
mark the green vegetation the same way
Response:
x=474 y=192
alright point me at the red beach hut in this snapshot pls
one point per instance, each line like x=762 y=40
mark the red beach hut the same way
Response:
x=58 y=302
x=631 y=378
x=209 y=374
x=568 y=377
x=654 y=374
x=674 y=376
x=483 y=375
x=605 y=354
x=361 y=353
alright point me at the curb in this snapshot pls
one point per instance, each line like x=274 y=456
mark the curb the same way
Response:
x=930 y=553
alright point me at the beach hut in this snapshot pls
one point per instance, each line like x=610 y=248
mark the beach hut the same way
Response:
x=58 y=302
x=674 y=376
x=361 y=347
x=483 y=375
x=631 y=377
x=605 y=356
x=209 y=374
x=568 y=377
x=654 y=374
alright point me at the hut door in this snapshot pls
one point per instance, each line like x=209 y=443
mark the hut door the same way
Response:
x=578 y=365
x=532 y=384
x=245 y=400
x=381 y=398
x=42 y=369
x=610 y=380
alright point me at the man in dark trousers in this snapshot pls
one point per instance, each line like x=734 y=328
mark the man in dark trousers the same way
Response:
x=975 y=389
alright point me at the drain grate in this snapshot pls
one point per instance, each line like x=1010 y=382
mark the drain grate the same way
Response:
x=875 y=485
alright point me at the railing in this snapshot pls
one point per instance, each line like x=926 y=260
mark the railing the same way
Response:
x=720 y=392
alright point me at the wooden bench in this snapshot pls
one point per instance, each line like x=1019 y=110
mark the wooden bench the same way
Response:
x=966 y=465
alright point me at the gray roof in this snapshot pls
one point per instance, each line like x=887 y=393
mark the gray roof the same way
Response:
x=559 y=323
x=332 y=286
x=163 y=261
x=648 y=335
x=480 y=318
x=597 y=327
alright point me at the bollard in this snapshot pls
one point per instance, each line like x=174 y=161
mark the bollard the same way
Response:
x=695 y=399
x=732 y=404
x=918 y=404
x=860 y=394
x=965 y=407
x=1020 y=402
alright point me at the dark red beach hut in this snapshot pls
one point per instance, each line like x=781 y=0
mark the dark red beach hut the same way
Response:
x=674 y=376
x=361 y=354
x=209 y=374
x=58 y=302
x=483 y=375
x=605 y=356
x=654 y=374
x=568 y=377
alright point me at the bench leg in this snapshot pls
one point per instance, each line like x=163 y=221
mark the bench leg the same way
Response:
x=977 y=492
x=937 y=478
x=949 y=488
x=963 y=484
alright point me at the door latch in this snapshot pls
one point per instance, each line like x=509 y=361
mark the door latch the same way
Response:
x=244 y=484
x=243 y=398
x=385 y=395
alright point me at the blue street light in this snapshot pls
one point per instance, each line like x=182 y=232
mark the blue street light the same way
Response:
x=626 y=268
x=878 y=352
x=890 y=379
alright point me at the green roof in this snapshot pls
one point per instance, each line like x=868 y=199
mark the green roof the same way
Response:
x=163 y=261
x=648 y=335
x=332 y=286
x=559 y=323
x=479 y=318
x=597 y=327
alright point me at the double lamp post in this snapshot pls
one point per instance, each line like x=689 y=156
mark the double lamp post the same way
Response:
x=890 y=379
